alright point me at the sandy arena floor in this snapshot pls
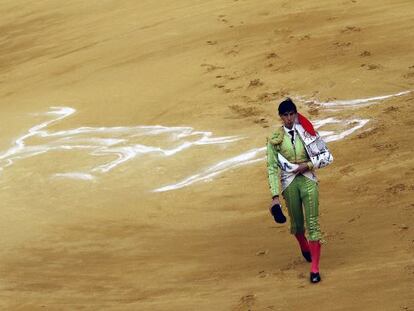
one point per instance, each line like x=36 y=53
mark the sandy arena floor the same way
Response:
x=132 y=162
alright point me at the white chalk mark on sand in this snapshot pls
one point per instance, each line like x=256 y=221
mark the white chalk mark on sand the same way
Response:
x=358 y=102
x=329 y=136
x=121 y=143
x=75 y=175
x=258 y=154
x=249 y=157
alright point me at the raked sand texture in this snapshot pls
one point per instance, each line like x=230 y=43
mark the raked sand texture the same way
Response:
x=132 y=160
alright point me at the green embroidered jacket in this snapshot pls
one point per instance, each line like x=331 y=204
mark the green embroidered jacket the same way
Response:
x=281 y=143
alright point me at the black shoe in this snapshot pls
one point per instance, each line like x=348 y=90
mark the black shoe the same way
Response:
x=307 y=256
x=278 y=214
x=315 y=277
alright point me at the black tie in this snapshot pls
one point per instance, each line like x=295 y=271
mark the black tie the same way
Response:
x=292 y=133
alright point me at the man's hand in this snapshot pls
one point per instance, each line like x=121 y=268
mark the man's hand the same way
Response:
x=302 y=168
x=276 y=211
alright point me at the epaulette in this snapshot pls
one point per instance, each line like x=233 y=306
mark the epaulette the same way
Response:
x=277 y=136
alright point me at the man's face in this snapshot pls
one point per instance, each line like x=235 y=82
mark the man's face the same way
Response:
x=288 y=119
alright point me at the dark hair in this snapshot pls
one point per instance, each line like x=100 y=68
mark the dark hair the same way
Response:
x=286 y=106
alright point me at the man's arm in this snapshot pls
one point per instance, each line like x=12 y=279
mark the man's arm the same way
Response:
x=303 y=167
x=272 y=170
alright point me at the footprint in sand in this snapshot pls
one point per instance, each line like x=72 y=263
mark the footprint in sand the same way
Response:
x=222 y=86
x=262 y=121
x=263 y=274
x=305 y=37
x=410 y=74
x=360 y=189
x=372 y=131
x=313 y=111
x=211 y=42
x=269 y=97
x=337 y=235
x=232 y=52
x=341 y=44
x=403 y=227
x=391 y=109
x=264 y=13
x=395 y=189
x=409 y=208
x=245 y=112
x=302 y=275
x=371 y=66
x=347 y=170
x=210 y=67
x=222 y=19
x=386 y=147
x=262 y=98
x=272 y=56
x=283 y=31
x=350 y=29
x=354 y=218
x=409 y=269
x=262 y=252
x=365 y=54
x=246 y=303
x=292 y=264
x=231 y=78
x=286 y=67
x=255 y=83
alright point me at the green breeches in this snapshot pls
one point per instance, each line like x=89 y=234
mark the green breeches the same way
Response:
x=303 y=192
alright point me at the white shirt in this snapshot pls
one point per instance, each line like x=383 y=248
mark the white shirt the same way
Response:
x=292 y=129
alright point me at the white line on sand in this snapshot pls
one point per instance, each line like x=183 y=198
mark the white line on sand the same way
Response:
x=75 y=175
x=329 y=136
x=249 y=157
x=122 y=143
x=258 y=154
x=360 y=101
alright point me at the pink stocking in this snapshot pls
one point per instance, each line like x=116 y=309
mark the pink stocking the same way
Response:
x=315 y=249
x=303 y=243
